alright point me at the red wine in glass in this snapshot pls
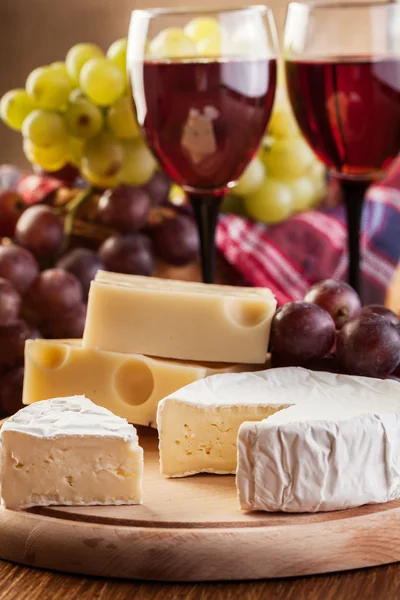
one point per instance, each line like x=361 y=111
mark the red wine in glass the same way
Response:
x=349 y=110
x=204 y=120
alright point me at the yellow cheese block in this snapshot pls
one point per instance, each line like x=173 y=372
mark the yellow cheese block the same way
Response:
x=178 y=319
x=130 y=385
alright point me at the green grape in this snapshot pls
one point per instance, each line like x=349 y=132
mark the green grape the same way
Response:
x=121 y=120
x=15 y=106
x=288 y=159
x=76 y=148
x=240 y=44
x=117 y=54
x=51 y=158
x=48 y=87
x=303 y=193
x=172 y=43
x=61 y=67
x=103 y=155
x=201 y=28
x=102 y=81
x=317 y=172
x=271 y=203
x=283 y=123
x=233 y=204
x=209 y=47
x=44 y=128
x=98 y=181
x=176 y=195
x=251 y=179
x=281 y=78
x=139 y=165
x=83 y=118
x=78 y=56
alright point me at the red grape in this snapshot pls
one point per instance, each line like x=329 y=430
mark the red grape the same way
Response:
x=328 y=364
x=369 y=345
x=10 y=303
x=83 y=263
x=337 y=298
x=378 y=309
x=67 y=175
x=12 y=342
x=302 y=331
x=40 y=230
x=70 y=324
x=19 y=266
x=396 y=373
x=126 y=208
x=158 y=188
x=177 y=240
x=128 y=254
x=11 y=208
x=54 y=292
x=11 y=391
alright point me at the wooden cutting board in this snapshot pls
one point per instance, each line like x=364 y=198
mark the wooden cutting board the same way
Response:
x=192 y=529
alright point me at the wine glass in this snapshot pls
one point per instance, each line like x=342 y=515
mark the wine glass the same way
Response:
x=203 y=82
x=342 y=64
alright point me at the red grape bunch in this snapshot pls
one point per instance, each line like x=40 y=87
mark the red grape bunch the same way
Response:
x=78 y=126
x=330 y=330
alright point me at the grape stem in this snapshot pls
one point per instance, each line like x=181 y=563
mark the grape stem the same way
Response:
x=72 y=209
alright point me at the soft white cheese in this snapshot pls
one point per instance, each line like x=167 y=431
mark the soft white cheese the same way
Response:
x=198 y=424
x=340 y=449
x=69 y=451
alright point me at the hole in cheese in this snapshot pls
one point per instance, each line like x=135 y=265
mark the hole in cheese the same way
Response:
x=134 y=382
x=47 y=356
x=249 y=314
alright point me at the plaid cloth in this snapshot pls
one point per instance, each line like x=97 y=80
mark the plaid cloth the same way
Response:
x=290 y=257
x=310 y=246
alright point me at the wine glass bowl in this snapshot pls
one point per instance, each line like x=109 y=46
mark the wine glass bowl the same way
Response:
x=343 y=75
x=203 y=101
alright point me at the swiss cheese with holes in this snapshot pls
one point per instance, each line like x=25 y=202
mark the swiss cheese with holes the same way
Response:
x=178 y=319
x=130 y=385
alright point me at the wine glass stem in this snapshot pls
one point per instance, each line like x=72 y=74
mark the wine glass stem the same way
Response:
x=353 y=196
x=206 y=210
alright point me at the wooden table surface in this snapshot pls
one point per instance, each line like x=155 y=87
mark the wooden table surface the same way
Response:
x=22 y=583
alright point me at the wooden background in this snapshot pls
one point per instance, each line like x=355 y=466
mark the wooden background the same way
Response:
x=37 y=32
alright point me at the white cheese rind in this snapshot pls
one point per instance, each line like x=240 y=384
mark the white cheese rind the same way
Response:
x=323 y=456
x=75 y=415
x=198 y=424
x=69 y=451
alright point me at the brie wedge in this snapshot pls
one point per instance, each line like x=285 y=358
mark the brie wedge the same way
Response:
x=338 y=450
x=69 y=451
x=198 y=424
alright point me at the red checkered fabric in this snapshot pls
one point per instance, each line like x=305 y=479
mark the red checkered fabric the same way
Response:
x=36 y=188
x=311 y=246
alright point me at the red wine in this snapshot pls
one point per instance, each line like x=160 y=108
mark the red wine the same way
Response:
x=205 y=119
x=348 y=110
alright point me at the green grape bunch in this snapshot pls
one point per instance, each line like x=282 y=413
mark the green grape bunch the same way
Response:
x=285 y=176
x=79 y=112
